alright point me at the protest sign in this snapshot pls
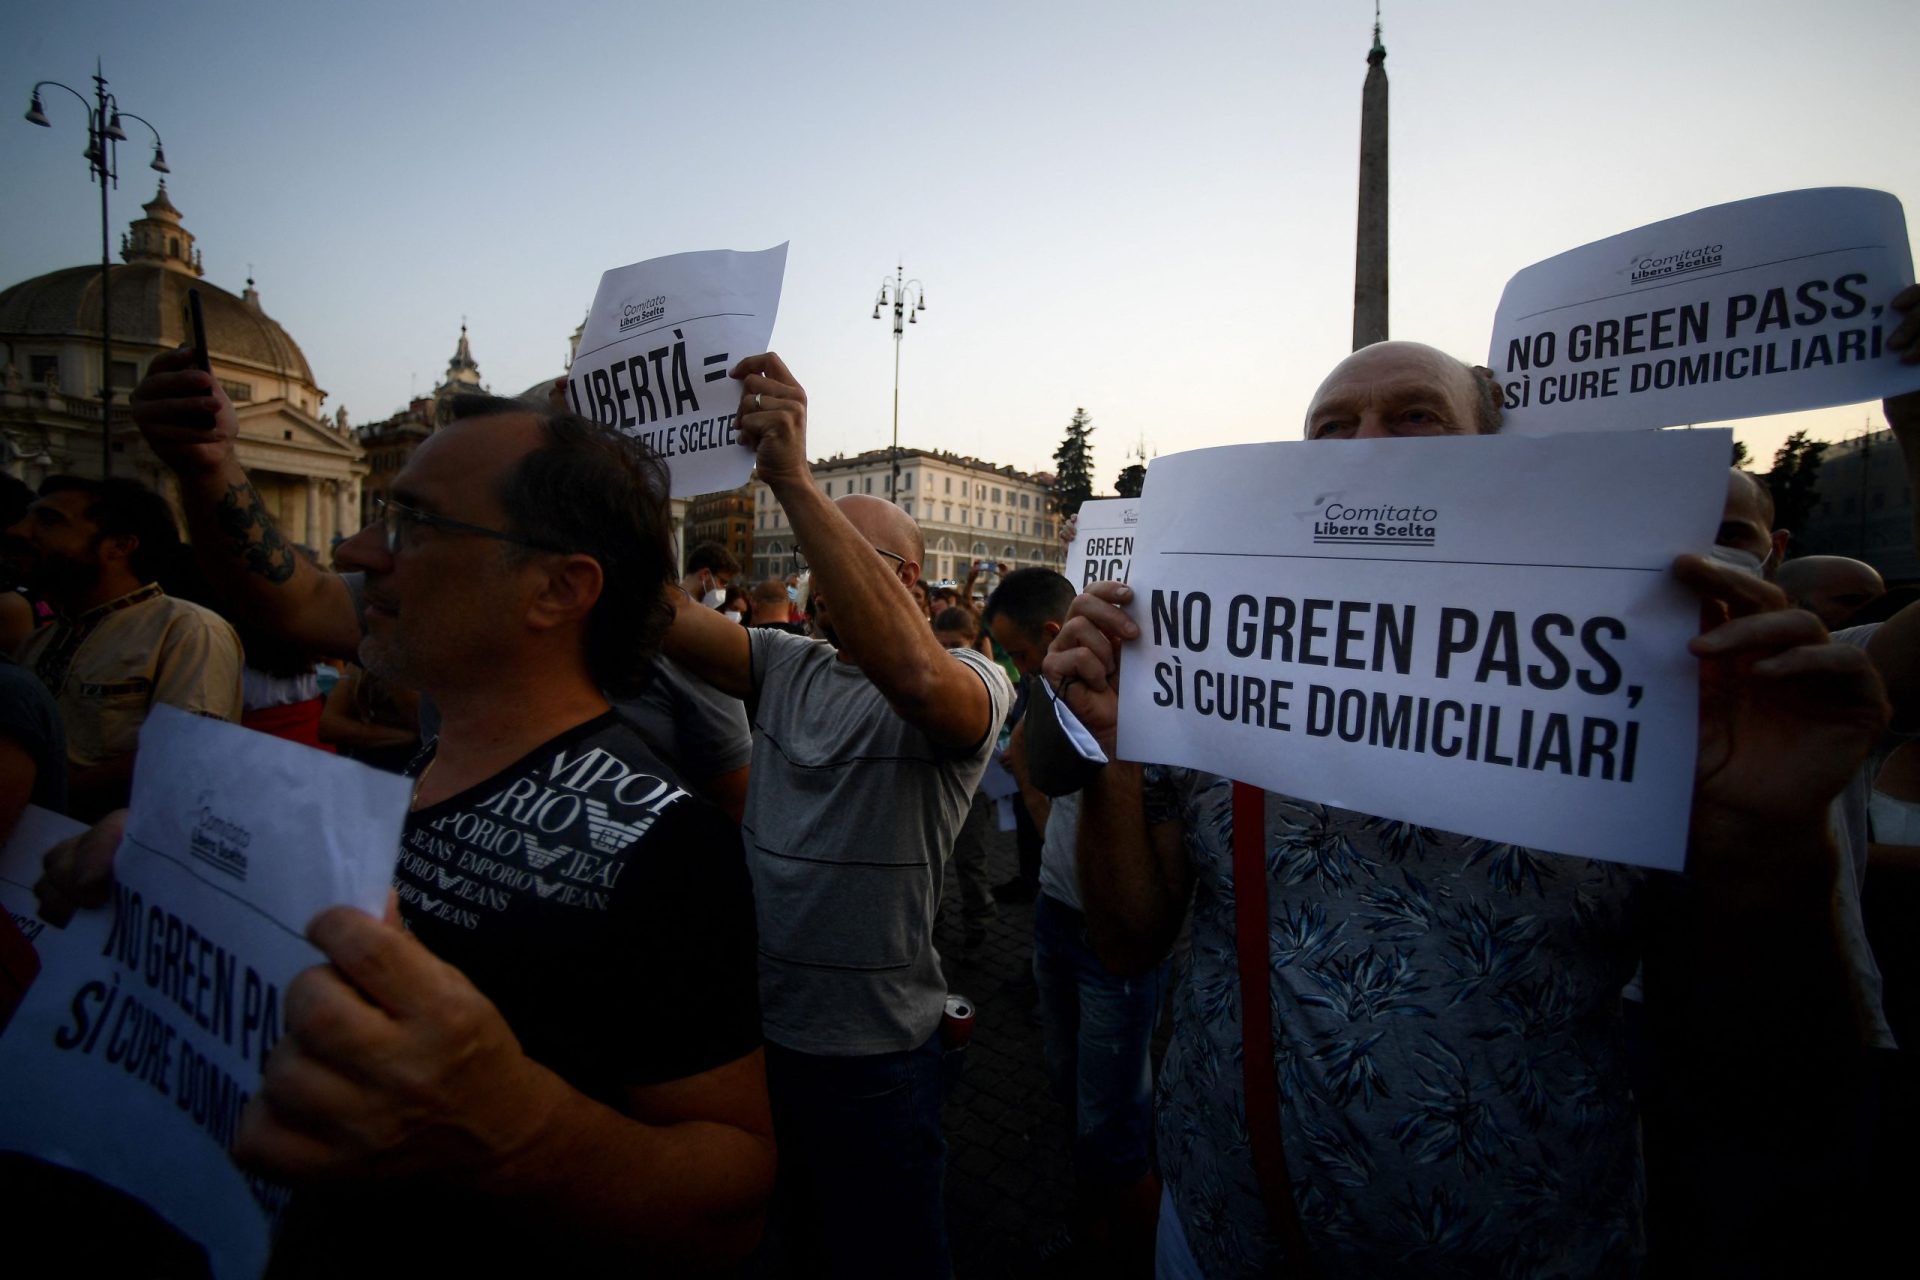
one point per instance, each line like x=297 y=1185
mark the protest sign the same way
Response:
x=1102 y=547
x=1479 y=634
x=654 y=357
x=132 y=1055
x=1756 y=307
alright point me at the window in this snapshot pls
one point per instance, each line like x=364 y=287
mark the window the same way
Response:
x=869 y=484
x=908 y=505
x=125 y=373
x=946 y=512
x=237 y=391
x=996 y=495
x=1026 y=502
x=906 y=481
x=996 y=519
x=44 y=369
x=949 y=484
x=1023 y=528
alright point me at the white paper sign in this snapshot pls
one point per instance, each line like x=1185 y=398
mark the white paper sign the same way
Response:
x=1102 y=547
x=654 y=357
x=1756 y=307
x=1479 y=635
x=134 y=1051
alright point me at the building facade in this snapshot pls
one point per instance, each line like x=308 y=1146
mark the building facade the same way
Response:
x=391 y=441
x=1866 y=507
x=308 y=467
x=967 y=509
x=726 y=518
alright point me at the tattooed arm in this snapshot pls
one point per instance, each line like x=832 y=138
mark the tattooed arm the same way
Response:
x=189 y=422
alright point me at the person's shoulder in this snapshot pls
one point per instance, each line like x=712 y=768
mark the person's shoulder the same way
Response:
x=1856 y=637
x=197 y=616
x=773 y=648
x=989 y=669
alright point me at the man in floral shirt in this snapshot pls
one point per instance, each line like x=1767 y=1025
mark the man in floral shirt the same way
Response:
x=1450 y=1056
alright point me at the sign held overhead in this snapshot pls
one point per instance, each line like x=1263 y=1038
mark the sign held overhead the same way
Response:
x=1761 y=306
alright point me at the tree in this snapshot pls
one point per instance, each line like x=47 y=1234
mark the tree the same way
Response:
x=1073 y=465
x=1741 y=455
x=1130 y=480
x=1794 y=481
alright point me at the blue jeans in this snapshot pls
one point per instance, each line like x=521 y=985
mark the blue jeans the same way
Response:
x=862 y=1163
x=1098 y=1032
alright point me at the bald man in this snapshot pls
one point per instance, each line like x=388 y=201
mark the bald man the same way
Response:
x=1447 y=1030
x=867 y=749
x=1830 y=587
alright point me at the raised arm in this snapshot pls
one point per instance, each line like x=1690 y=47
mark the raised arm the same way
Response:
x=1134 y=879
x=709 y=644
x=873 y=615
x=189 y=422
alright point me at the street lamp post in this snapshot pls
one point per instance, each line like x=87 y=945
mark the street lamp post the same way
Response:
x=103 y=134
x=908 y=298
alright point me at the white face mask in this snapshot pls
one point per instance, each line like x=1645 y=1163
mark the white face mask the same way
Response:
x=714 y=598
x=1739 y=561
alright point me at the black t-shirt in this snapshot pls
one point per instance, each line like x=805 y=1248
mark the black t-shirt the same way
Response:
x=607 y=913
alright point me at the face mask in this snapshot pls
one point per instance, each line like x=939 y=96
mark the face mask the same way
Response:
x=714 y=598
x=1739 y=561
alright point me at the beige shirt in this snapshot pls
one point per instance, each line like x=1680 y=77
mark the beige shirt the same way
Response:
x=108 y=667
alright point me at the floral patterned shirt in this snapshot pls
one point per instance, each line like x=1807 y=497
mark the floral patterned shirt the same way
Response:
x=1453 y=1079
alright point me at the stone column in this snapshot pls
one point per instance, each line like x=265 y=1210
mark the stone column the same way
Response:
x=342 y=526
x=313 y=515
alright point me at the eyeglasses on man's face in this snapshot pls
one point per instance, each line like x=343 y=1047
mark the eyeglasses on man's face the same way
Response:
x=800 y=555
x=398 y=520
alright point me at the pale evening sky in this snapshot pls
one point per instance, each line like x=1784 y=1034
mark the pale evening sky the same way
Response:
x=1144 y=209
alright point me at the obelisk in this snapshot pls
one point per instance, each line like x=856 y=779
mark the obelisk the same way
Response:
x=1370 y=251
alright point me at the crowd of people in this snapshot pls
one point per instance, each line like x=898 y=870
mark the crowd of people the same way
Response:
x=698 y=1023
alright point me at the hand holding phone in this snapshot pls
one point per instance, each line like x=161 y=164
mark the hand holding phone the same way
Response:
x=197 y=326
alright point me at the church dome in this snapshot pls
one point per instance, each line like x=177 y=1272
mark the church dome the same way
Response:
x=149 y=309
x=149 y=295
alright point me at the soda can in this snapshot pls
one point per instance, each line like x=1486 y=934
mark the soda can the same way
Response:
x=956 y=1025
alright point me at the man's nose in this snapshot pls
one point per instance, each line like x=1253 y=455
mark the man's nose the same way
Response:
x=365 y=550
x=1372 y=426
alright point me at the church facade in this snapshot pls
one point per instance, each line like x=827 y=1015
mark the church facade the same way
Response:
x=308 y=467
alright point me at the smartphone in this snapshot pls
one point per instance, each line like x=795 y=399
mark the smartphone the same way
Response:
x=197 y=326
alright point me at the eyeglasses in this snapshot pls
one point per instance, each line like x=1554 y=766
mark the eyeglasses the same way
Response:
x=397 y=518
x=801 y=556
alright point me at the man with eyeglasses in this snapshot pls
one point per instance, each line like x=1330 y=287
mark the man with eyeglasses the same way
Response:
x=556 y=1064
x=866 y=752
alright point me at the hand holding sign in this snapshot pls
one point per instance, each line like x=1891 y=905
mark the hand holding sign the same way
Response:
x=773 y=418
x=393 y=1063
x=78 y=872
x=1786 y=716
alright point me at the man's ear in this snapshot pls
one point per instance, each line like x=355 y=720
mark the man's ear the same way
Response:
x=909 y=573
x=568 y=592
x=1487 y=385
x=1048 y=630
